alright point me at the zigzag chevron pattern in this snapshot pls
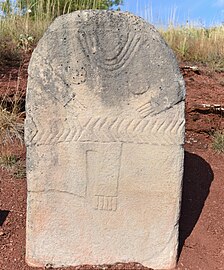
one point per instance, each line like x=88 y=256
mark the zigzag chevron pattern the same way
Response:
x=110 y=129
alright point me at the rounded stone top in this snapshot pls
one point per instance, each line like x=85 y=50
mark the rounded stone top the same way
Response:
x=108 y=57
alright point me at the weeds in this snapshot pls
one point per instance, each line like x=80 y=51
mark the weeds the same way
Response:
x=12 y=113
x=191 y=43
x=197 y=44
x=20 y=171
x=25 y=42
x=13 y=165
x=25 y=21
x=8 y=161
x=11 y=125
x=218 y=141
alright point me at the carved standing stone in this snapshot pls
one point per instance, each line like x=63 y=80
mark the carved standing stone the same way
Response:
x=104 y=135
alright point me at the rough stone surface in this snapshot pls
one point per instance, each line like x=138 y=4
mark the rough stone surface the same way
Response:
x=104 y=135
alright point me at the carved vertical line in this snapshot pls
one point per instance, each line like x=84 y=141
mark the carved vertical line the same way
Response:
x=96 y=201
x=114 y=203
x=105 y=203
x=109 y=206
x=87 y=173
x=101 y=202
x=119 y=174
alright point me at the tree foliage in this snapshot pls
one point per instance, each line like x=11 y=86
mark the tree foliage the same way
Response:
x=55 y=7
x=6 y=7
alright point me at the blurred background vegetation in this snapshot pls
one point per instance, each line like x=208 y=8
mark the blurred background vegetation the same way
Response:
x=23 y=22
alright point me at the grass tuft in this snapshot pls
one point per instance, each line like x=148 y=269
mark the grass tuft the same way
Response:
x=197 y=44
x=11 y=125
x=218 y=141
x=13 y=164
x=11 y=121
x=8 y=161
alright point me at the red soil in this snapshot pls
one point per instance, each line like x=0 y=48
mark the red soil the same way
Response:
x=202 y=213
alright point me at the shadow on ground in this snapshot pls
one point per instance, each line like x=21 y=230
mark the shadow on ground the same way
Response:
x=3 y=216
x=198 y=176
